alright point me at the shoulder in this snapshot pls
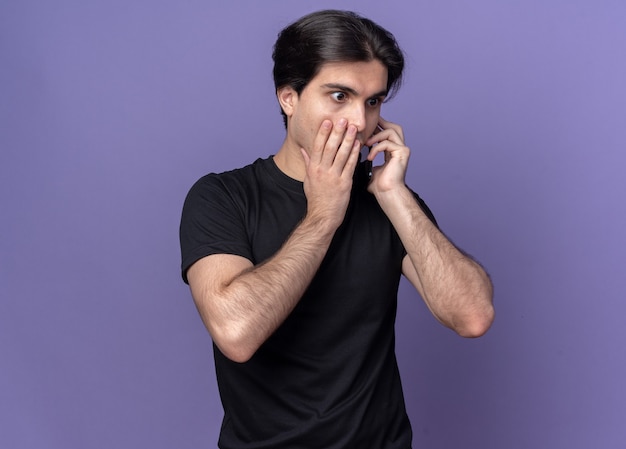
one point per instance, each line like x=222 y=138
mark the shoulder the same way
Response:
x=231 y=178
x=229 y=184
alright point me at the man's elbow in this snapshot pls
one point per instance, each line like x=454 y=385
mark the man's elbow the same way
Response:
x=236 y=354
x=478 y=324
x=234 y=346
x=231 y=337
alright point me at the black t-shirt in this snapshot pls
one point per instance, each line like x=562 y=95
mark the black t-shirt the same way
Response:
x=328 y=377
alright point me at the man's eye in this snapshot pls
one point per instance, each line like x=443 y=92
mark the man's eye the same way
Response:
x=339 y=96
x=373 y=102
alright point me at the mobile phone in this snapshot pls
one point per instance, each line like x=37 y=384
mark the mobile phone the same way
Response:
x=368 y=165
x=365 y=167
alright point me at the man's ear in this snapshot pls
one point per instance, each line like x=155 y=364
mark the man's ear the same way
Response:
x=287 y=98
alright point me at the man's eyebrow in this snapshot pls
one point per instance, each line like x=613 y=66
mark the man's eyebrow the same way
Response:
x=351 y=91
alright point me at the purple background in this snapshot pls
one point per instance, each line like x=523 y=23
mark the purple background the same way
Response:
x=109 y=110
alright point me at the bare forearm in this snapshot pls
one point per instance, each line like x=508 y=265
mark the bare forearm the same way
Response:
x=251 y=306
x=455 y=287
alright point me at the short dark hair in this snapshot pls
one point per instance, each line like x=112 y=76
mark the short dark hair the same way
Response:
x=333 y=36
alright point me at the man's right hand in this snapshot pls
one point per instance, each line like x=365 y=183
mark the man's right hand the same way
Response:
x=330 y=166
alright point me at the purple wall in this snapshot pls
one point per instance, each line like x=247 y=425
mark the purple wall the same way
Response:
x=516 y=114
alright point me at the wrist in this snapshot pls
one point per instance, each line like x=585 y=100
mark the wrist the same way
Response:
x=391 y=195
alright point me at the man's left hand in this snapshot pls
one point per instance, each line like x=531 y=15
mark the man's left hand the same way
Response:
x=389 y=140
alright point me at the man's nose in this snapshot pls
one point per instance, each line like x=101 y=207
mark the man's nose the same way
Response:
x=357 y=117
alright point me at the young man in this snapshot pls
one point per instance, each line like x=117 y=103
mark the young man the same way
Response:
x=294 y=261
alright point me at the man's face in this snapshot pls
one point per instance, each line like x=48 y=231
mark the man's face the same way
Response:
x=350 y=90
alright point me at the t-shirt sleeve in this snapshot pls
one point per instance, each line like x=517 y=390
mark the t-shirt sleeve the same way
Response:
x=212 y=222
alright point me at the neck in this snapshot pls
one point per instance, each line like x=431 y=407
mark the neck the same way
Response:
x=290 y=161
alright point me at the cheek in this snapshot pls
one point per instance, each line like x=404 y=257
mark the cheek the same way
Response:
x=307 y=116
x=305 y=128
x=308 y=120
